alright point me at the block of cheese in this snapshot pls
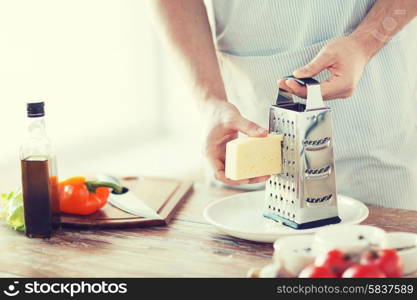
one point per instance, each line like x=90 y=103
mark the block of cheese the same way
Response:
x=248 y=157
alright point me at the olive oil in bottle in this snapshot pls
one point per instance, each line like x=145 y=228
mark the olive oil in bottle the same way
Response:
x=36 y=196
x=39 y=178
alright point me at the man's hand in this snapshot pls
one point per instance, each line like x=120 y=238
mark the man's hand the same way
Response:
x=345 y=58
x=224 y=122
x=184 y=26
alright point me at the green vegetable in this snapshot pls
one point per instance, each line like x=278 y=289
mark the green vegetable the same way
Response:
x=12 y=210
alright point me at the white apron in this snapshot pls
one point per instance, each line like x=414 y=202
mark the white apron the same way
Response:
x=375 y=130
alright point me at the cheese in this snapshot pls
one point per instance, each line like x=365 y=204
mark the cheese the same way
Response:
x=248 y=157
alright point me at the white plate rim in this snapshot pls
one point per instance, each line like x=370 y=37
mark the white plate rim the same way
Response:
x=272 y=231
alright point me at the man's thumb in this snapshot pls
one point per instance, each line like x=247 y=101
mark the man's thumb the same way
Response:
x=249 y=128
x=318 y=64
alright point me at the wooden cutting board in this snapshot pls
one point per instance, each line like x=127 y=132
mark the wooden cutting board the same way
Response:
x=164 y=195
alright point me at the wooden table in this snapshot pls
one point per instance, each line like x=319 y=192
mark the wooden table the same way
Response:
x=188 y=247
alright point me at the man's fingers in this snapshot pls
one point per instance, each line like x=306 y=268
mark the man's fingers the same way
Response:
x=318 y=64
x=333 y=88
x=282 y=85
x=297 y=89
x=249 y=128
x=292 y=87
x=259 y=179
x=221 y=176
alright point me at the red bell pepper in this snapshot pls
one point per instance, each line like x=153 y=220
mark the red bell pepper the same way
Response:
x=81 y=197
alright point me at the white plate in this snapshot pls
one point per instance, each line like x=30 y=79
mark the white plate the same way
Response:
x=408 y=256
x=240 y=216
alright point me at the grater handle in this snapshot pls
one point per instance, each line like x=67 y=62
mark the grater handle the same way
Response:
x=303 y=81
x=286 y=98
x=314 y=98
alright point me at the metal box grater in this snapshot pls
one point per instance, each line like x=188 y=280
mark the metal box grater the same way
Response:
x=304 y=194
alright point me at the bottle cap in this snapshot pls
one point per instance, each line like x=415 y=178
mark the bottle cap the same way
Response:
x=35 y=109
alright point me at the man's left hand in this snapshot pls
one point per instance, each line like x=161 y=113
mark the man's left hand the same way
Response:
x=345 y=58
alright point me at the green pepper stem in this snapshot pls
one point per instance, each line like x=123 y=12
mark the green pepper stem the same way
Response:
x=92 y=185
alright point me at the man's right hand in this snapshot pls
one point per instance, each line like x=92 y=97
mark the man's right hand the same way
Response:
x=185 y=27
x=224 y=121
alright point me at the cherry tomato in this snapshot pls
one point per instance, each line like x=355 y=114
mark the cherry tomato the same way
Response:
x=335 y=260
x=313 y=271
x=363 y=271
x=387 y=260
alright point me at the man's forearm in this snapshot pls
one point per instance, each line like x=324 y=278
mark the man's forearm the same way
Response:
x=385 y=19
x=184 y=27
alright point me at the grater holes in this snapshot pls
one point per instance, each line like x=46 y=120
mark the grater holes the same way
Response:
x=312 y=144
x=319 y=199
x=317 y=171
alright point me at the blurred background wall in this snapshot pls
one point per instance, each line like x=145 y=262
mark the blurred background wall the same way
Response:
x=114 y=101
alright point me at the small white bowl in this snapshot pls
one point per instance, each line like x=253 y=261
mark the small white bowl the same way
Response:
x=349 y=238
x=406 y=245
x=294 y=253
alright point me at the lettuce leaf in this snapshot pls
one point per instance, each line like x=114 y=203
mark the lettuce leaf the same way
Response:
x=12 y=210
